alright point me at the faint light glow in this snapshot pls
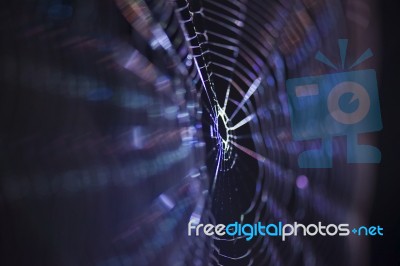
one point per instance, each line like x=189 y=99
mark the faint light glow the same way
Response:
x=183 y=117
x=163 y=83
x=302 y=182
x=195 y=218
x=138 y=137
x=239 y=23
x=171 y=112
x=100 y=94
x=167 y=201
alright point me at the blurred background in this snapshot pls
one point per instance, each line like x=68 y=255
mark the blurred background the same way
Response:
x=387 y=249
x=121 y=120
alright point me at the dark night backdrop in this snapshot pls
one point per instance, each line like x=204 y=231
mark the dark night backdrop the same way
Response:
x=385 y=211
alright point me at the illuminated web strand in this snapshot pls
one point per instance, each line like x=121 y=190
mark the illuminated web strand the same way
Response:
x=243 y=122
x=228 y=91
x=249 y=152
x=247 y=96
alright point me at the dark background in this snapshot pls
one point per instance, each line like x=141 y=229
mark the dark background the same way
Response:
x=386 y=250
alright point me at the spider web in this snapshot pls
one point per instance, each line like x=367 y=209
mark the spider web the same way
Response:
x=237 y=55
x=205 y=133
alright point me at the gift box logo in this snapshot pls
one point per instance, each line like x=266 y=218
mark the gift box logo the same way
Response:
x=339 y=104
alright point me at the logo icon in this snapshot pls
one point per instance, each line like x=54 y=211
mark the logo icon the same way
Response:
x=339 y=104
